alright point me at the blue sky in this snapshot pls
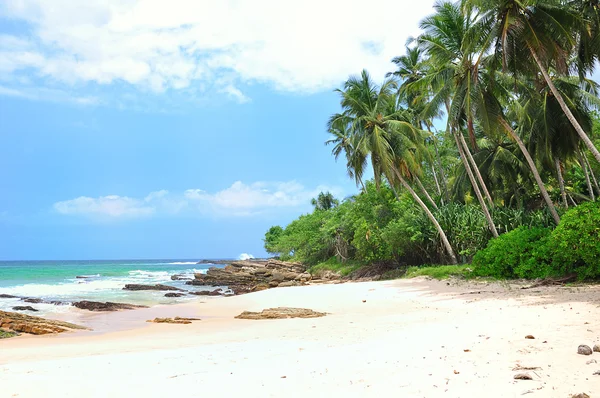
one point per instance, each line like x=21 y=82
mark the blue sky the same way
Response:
x=135 y=130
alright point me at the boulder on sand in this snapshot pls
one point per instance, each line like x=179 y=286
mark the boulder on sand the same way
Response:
x=151 y=287
x=174 y=320
x=108 y=306
x=281 y=313
x=15 y=322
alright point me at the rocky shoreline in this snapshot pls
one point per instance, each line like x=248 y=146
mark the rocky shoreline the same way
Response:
x=237 y=277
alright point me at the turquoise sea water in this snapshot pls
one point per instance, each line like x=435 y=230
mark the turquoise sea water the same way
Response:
x=103 y=281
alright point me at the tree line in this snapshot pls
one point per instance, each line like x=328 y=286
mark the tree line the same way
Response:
x=511 y=82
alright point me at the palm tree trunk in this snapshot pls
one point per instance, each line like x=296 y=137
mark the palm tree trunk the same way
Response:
x=441 y=167
x=561 y=182
x=584 y=137
x=437 y=184
x=431 y=217
x=533 y=168
x=573 y=201
x=587 y=176
x=476 y=169
x=592 y=174
x=484 y=207
x=422 y=188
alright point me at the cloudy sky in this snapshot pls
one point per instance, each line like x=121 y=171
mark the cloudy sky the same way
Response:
x=179 y=129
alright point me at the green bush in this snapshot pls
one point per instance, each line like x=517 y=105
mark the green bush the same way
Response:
x=517 y=254
x=575 y=243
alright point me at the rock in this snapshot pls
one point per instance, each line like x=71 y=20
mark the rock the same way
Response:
x=216 y=292
x=174 y=294
x=260 y=286
x=174 y=320
x=244 y=276
x=7 y=296
x=287 y=284
x=33 y=300
x=108 y=306
x=596 y=373
x=529 y=337
x=180 y=277
x=24 y=308
x=584 y=350
x=151 y=287
x=591 y=361
x=304 y=277
x=15 y=322
x=596 y=348
x=522 y=376
x=281 y=313
x=580 y=395
x=86 y=276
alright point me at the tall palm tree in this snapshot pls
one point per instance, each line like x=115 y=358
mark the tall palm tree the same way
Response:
x=454 y=52
x=533 y=35
x=380 y=131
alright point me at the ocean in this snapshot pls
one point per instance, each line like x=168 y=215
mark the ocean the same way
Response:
x=99 y=280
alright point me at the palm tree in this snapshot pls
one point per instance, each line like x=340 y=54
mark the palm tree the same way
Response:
x=324 y=201
x=379 y=130
x=454 y=52
x=533 y=35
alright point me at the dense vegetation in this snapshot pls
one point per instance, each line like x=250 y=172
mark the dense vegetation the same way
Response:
x=510 y=82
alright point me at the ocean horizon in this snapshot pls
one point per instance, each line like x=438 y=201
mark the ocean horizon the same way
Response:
x=68 y=281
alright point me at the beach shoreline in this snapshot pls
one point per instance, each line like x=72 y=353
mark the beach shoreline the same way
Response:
x=417 y=337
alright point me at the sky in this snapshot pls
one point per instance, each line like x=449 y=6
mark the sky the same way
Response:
x=181 y=129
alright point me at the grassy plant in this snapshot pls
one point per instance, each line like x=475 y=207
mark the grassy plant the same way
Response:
x=333 y=264
x=5 y=334
x=438 y=271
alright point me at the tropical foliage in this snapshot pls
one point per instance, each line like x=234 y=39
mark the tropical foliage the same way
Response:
x=487 y=125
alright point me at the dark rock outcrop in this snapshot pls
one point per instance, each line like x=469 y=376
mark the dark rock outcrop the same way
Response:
x=248 y=276
x=151 y=287
x=15 y=322
x=108 y=306
x=180 y=277
x=33 y=300
x=24 y=308
x=281 y=313
x=8 y=296
x=216 y=292
x=174 y=294
x=174 y=320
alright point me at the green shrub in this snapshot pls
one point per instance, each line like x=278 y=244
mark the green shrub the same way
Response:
x=520 y=253
x=575 y=243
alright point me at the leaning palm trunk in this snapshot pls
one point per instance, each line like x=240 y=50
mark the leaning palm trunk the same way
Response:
x=584 y=137
x=440 y=165
x=484 y=207
x=422 y=188
x=592 y=174
x=587 y=176
x=431 y=217
x=561 y=182
x=476 y=170
x=437 y=183
x=533 y=168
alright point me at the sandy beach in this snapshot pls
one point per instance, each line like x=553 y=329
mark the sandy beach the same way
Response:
x=410 y=338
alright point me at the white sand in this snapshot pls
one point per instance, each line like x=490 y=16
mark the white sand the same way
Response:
x=407 y=340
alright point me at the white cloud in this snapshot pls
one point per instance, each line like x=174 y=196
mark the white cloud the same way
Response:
x=112 y=206
x=238 y=200
x=294 y=46
x=48 y=95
